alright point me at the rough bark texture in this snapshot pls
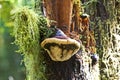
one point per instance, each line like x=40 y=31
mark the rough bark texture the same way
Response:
x=67 y=70
x=60 y=12
x=105 y=14
x=105 y=23
x=78 y=67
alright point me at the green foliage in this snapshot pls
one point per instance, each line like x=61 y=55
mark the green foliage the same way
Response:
x=9 y=60
x=5 y=10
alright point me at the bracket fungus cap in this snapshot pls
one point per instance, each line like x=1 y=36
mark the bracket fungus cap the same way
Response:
x=60 y=49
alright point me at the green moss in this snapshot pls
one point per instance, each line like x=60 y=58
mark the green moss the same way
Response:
x=26 y=34
x=45 y=31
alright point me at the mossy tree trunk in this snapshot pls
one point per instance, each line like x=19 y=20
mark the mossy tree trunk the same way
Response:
x=105 y=20
x=60 y=11
x=62 y=14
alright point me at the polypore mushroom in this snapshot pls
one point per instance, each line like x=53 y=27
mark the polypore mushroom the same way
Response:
x=60 y=47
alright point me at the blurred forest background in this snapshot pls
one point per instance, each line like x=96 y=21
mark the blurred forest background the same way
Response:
x=11 y=66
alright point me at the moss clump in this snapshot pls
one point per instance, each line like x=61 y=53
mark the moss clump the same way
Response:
x=26 y=31
x=26 y=34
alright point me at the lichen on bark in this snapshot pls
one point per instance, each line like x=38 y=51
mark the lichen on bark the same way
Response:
x=105 y=22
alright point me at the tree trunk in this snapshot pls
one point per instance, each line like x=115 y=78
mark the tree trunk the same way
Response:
x=64 y=14
x=105 y=15
x=60 y=11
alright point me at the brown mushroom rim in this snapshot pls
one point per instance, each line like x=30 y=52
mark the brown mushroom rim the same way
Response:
x=65 y=48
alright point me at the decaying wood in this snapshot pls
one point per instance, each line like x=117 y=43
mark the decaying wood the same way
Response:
x=66 y=16
x=60 y=11
x=76 y=17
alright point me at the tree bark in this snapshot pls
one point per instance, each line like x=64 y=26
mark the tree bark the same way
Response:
x=60 y=11
x=105 y=14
